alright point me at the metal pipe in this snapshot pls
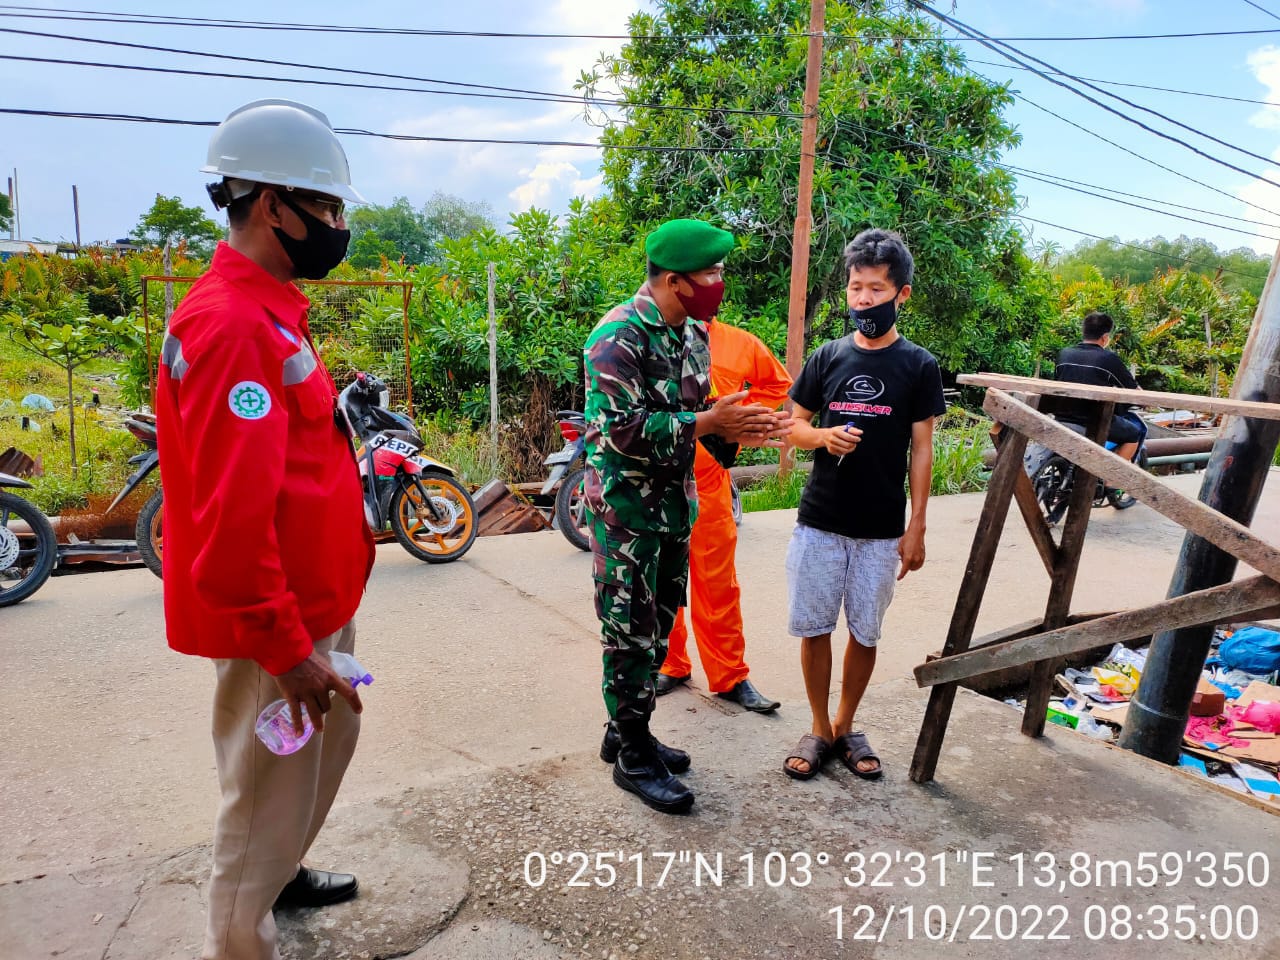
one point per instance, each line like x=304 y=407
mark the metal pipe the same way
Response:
x=1238 y=467
x=1178 y=458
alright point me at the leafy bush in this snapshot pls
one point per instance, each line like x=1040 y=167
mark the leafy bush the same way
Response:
x=959 y=441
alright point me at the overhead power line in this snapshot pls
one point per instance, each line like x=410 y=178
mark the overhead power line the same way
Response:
x=104 y=16
x=1134 y=153
x=409 y=137
x=1138 y=86
x=548 y=98
x=1048 y=178
x=999 y=48
x=525 y=94
x=1258 y=6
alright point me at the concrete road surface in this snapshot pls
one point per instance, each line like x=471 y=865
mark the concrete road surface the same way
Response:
x=483 y=824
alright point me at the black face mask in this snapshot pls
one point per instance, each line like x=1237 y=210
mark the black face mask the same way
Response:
x=876 y=321
x=319 y=251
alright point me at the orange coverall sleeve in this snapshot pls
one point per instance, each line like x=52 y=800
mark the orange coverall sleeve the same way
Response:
x=769 y=380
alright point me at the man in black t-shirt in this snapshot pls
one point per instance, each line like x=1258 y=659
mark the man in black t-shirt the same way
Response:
x=876 y=394
x=1092 y=363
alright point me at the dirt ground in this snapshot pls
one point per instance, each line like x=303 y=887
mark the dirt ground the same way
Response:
x=477 y=767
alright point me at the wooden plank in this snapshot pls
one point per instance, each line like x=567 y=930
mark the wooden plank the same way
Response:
x=1214 y=605
x=1141 y=398
x=1063 y=581
x=1024 y=494
x=973 y=586
x=1226 y=534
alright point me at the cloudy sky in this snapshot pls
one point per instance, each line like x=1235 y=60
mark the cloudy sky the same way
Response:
x=119 y=167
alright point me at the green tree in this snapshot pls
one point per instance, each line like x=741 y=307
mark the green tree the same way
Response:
x=1142 y=260
x=399 y=232
x=906 y=141
x=6 y=212
x=1161 y=327
x=169 y=222
x=63 y=334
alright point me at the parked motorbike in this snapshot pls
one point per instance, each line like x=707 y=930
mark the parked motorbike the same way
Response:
x=1053 y=476
x=29 y=553
x=429 y=510
x=569 y=469
x=147 y=531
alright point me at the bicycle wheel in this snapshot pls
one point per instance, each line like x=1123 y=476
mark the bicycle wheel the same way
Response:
x=27 y=557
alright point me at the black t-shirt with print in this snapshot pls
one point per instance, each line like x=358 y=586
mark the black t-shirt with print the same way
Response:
x=882 y=392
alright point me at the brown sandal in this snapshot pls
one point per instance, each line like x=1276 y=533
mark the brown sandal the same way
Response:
x=813 y=750
x=852 y=747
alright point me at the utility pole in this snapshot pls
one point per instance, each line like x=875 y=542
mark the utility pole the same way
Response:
x=75 y=205
x=1232 y=484
x=13 y=204
x=11 y=201
x=804 y=207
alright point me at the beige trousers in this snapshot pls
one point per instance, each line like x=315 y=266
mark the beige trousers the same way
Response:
x=272 y=807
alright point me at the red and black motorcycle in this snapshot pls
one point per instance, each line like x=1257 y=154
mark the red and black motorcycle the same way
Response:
x=426 y=505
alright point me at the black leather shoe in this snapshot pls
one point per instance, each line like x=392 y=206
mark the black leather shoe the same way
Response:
x=677 y=761
x=665 y=683
x=744 y=694
x=316 y=888
x=641 y=771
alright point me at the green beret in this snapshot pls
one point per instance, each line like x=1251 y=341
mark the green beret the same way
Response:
x=687 y=245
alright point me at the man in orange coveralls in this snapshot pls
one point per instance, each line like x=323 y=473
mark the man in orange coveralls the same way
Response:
x=739 y=361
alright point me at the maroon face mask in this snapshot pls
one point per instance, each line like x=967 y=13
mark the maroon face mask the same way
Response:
x=704 y=302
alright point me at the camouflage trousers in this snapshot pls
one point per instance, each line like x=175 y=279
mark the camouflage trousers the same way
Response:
x=640 y=580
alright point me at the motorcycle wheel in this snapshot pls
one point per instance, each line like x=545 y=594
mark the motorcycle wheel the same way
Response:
x=571 y=510
x=736 y=496
x=30 y=559
x=149 y=534
x=1052 y=484
x=430 y=540
x=1119 y=499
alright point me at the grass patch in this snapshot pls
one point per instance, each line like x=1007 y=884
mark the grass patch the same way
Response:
x=775 y=492
x=959 y=441
x=464 y=448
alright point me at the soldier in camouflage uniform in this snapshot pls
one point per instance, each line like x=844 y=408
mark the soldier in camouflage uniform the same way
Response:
x=647 y=383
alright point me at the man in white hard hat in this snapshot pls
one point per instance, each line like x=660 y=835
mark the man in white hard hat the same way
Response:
x=266 y=550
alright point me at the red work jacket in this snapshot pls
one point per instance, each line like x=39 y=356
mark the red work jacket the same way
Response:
x=265 y=548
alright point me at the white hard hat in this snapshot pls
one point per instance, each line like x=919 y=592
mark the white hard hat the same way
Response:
x=284 y=143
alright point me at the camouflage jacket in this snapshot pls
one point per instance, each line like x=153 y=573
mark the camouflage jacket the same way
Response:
x=645 y=381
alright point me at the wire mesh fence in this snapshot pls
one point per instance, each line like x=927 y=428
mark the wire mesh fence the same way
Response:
x=356 y=325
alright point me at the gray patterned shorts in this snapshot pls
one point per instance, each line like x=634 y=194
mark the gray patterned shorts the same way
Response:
x=826 y=570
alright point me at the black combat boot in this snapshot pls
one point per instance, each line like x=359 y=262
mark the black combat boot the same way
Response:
x=676 y=761
x=640 y=770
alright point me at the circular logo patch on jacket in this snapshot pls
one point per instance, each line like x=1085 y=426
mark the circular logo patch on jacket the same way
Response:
x=249 y=400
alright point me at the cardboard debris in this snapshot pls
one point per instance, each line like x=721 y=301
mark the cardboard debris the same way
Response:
x=1259 y=690
x=1115 y=715
x=1208 y=701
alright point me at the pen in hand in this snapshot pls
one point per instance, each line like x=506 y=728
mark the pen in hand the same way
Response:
x=847 y=427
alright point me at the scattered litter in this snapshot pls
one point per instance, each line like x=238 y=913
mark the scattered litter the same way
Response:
x=1232 y=738
x=37 y=401
x=1254 y=650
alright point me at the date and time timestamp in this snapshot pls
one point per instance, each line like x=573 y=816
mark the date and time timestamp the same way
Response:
x=965 y=895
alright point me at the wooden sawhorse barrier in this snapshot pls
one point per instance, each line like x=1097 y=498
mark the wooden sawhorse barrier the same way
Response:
x=1059 y=634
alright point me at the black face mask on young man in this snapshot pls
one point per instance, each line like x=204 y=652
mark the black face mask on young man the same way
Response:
x=875 y=322
x=319 y=251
